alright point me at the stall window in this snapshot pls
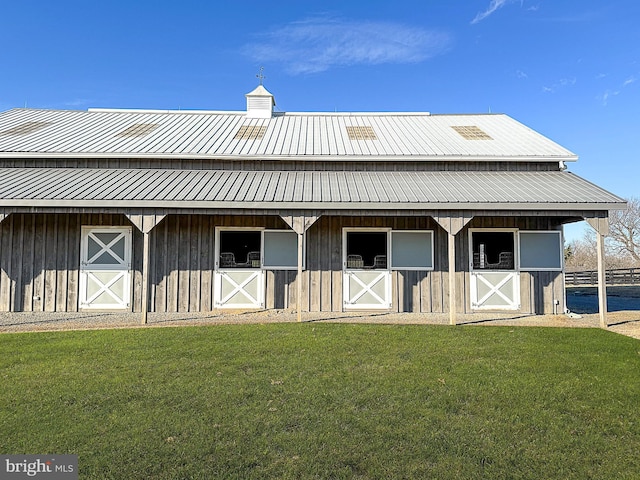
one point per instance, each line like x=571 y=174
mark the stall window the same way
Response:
x=366 y=250
x=239 y=249
x=493 y=250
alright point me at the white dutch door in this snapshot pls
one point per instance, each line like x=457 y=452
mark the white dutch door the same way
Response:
x=366 y=275
x=495 y=278
x=239 y=278
x=105 y=267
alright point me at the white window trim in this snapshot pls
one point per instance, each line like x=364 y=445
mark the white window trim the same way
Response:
x=346 y=230
x=430 y=232
x=561 y=241
x=516 y=248
x=304 y=250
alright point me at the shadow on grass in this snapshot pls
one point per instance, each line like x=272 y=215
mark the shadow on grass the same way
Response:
x=495 y=319
x=56 y=317
x=351 y=317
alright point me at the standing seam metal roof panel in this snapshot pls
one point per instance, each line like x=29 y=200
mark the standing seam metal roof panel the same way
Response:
x=152 y=143
x=195 y=129
x=410 y=188
x=414 y=135
x=392 y=141
x=34 y=139
x=288 y=134
x=201 y=137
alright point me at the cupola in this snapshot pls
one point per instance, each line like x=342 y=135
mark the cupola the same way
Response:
x=260 y=103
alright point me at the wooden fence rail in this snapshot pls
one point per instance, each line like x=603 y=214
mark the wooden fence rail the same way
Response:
x=617 y=276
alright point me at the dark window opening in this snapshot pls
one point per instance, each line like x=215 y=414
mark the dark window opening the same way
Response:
x=493 y=250
x=367 y=250
x=240 y=249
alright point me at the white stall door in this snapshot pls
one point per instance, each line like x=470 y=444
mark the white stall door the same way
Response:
x=105 y=268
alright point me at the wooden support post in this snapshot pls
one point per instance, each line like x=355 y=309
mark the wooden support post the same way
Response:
x=452 y=278
x=299 y=283
x=145 y=277
x=145 y=223
x=601 y=225
x=300 y=223
x=453 y=223
x=602 y=282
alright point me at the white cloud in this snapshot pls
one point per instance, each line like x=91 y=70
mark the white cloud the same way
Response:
x=318 y=44
x=493 y=6
x=629 y=81
x=521 y=74
x=604 y=98
x=560 y=84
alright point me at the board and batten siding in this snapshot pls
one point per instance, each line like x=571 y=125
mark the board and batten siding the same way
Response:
x=40 y=256
x=40 y=260
x=182 y=265
x=412 y=291
x=539 y=290
x=182 y=261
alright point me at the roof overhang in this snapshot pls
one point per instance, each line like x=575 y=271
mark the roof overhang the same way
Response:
x=320 y=190
x=297 y=157
x=511 y=207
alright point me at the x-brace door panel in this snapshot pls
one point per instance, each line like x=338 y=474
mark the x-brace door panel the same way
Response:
x=238 y=288
x=367 y=289
x=495 y=290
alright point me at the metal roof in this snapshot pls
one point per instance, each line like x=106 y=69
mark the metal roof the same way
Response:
x=52 y=187
x=299 y=136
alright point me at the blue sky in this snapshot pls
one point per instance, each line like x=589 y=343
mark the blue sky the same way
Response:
x=568 y=69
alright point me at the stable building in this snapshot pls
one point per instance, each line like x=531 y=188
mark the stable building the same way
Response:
x=196 y=211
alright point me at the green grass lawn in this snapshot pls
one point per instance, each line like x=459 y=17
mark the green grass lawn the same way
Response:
x=326 y=401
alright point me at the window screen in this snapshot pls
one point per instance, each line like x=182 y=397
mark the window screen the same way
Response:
x=540 y=251
x=412 y=250
x=280 y=249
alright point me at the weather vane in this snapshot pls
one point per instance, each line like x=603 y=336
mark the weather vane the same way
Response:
x=260 y=76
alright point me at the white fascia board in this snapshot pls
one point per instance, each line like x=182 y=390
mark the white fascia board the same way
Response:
x=313 y=158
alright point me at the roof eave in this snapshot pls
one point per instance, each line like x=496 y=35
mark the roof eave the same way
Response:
x=510 y=206
x=327 y=158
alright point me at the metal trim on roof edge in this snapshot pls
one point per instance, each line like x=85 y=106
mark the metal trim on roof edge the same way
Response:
x=309 y=157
